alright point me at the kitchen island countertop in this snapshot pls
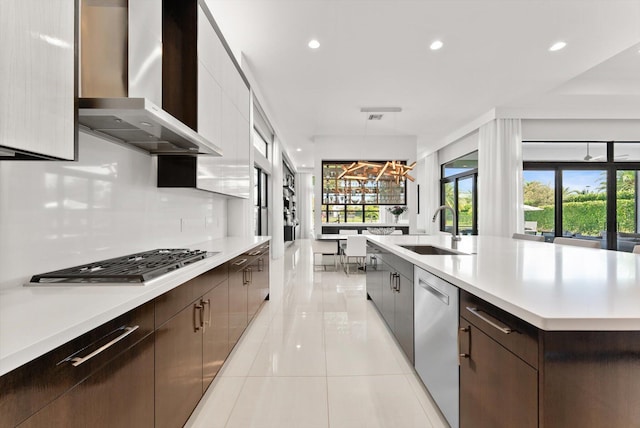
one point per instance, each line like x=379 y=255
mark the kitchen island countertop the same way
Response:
x=35 y=320
x=553 y=287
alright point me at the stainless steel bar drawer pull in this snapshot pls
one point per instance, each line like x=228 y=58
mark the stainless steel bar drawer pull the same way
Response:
x=503 y=328
x=127 y=331
x=239 y=262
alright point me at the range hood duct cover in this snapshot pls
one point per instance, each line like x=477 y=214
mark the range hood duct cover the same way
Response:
x=121 y=80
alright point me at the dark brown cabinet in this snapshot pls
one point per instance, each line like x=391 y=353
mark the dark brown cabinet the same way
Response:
x=248 y=289
x=188 y=348
x=148 y=367
x=497 y=389
x=120 y=394
x=178 y=377
x=103 y=378
x=238 y=280
x=215 y=334
x=258 y=286
x=498 y=367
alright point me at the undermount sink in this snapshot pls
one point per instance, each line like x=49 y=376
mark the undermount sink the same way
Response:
x=431 y=250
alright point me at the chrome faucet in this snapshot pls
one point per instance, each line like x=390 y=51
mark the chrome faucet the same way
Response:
x=454 y=238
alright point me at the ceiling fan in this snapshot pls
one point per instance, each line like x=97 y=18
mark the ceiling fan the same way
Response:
x=590 y=158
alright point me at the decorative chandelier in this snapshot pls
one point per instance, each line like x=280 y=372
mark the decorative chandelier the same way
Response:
x=390 y=170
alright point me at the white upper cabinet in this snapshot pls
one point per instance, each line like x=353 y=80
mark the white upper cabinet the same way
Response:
x=210 y=49
x=223 y=116
x=37 y=78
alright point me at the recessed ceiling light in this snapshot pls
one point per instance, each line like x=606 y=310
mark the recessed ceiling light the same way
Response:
x=314 y=44
x=298 y=149
x=557 y=46
x=437 y=44
x=304 y=165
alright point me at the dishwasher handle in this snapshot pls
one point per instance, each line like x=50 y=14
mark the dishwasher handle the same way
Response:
x=444 y=298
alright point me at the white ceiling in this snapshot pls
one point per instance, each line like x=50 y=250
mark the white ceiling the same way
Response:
x=376 y=53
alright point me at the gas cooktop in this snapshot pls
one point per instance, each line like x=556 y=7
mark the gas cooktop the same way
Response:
x=134 y=268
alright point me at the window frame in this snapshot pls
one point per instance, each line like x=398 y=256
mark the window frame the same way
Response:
x=455 y=179
x=325 y=204
x=262 y=199
x=610 y=165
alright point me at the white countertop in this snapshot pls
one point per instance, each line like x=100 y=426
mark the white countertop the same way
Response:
x=554 y=287
x=35 y=320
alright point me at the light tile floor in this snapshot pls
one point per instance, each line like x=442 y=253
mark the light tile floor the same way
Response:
x=317 y=355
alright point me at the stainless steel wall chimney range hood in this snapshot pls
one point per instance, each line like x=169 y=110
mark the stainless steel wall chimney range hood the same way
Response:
x=121 y=79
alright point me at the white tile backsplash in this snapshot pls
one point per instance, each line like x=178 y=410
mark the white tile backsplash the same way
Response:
x=60 y=214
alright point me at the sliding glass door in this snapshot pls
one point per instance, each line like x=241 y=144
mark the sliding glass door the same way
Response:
x=459 y=191
x=627 y=212
x=584 y=204
x=590 y=191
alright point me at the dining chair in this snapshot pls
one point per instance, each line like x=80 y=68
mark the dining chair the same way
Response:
x=322 y=248
x=526 y=237
x=343 y=242
x=577 y=242
x=356 y=248
x=636 y=249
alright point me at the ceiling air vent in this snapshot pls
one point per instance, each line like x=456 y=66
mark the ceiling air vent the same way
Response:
x=376 y=113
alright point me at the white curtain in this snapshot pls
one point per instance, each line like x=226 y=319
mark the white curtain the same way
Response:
x=431 y=192
x=500 y=199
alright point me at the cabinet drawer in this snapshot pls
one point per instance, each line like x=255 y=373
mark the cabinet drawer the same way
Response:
x=27 y=389
x=120 y=394
x=211 y=279
x=511 y=332
x=242 y=261
x=172 y=302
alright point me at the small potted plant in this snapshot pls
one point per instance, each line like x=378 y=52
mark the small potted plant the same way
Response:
x=396 y=211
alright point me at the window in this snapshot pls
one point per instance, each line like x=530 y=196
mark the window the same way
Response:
x=260 y=144
x=586 y=190
x=357 y=201
x=263 y=133
x=459 y=185
x=260 y=201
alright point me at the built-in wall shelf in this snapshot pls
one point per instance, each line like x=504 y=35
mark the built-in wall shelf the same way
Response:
x=289 y=202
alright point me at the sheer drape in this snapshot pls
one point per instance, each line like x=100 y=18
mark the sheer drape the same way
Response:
x=431 y=191
x=500 y=199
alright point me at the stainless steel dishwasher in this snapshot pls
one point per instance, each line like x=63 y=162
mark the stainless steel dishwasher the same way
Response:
x=436 y=333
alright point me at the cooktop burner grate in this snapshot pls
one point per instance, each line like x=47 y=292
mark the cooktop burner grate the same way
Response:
x=134 y=268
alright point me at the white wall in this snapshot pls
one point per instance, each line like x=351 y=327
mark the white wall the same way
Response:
x=581 y=129
x=276 y=204
x=60 y=214
x=304 y=195
x=461 y=147
x=373 y=148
